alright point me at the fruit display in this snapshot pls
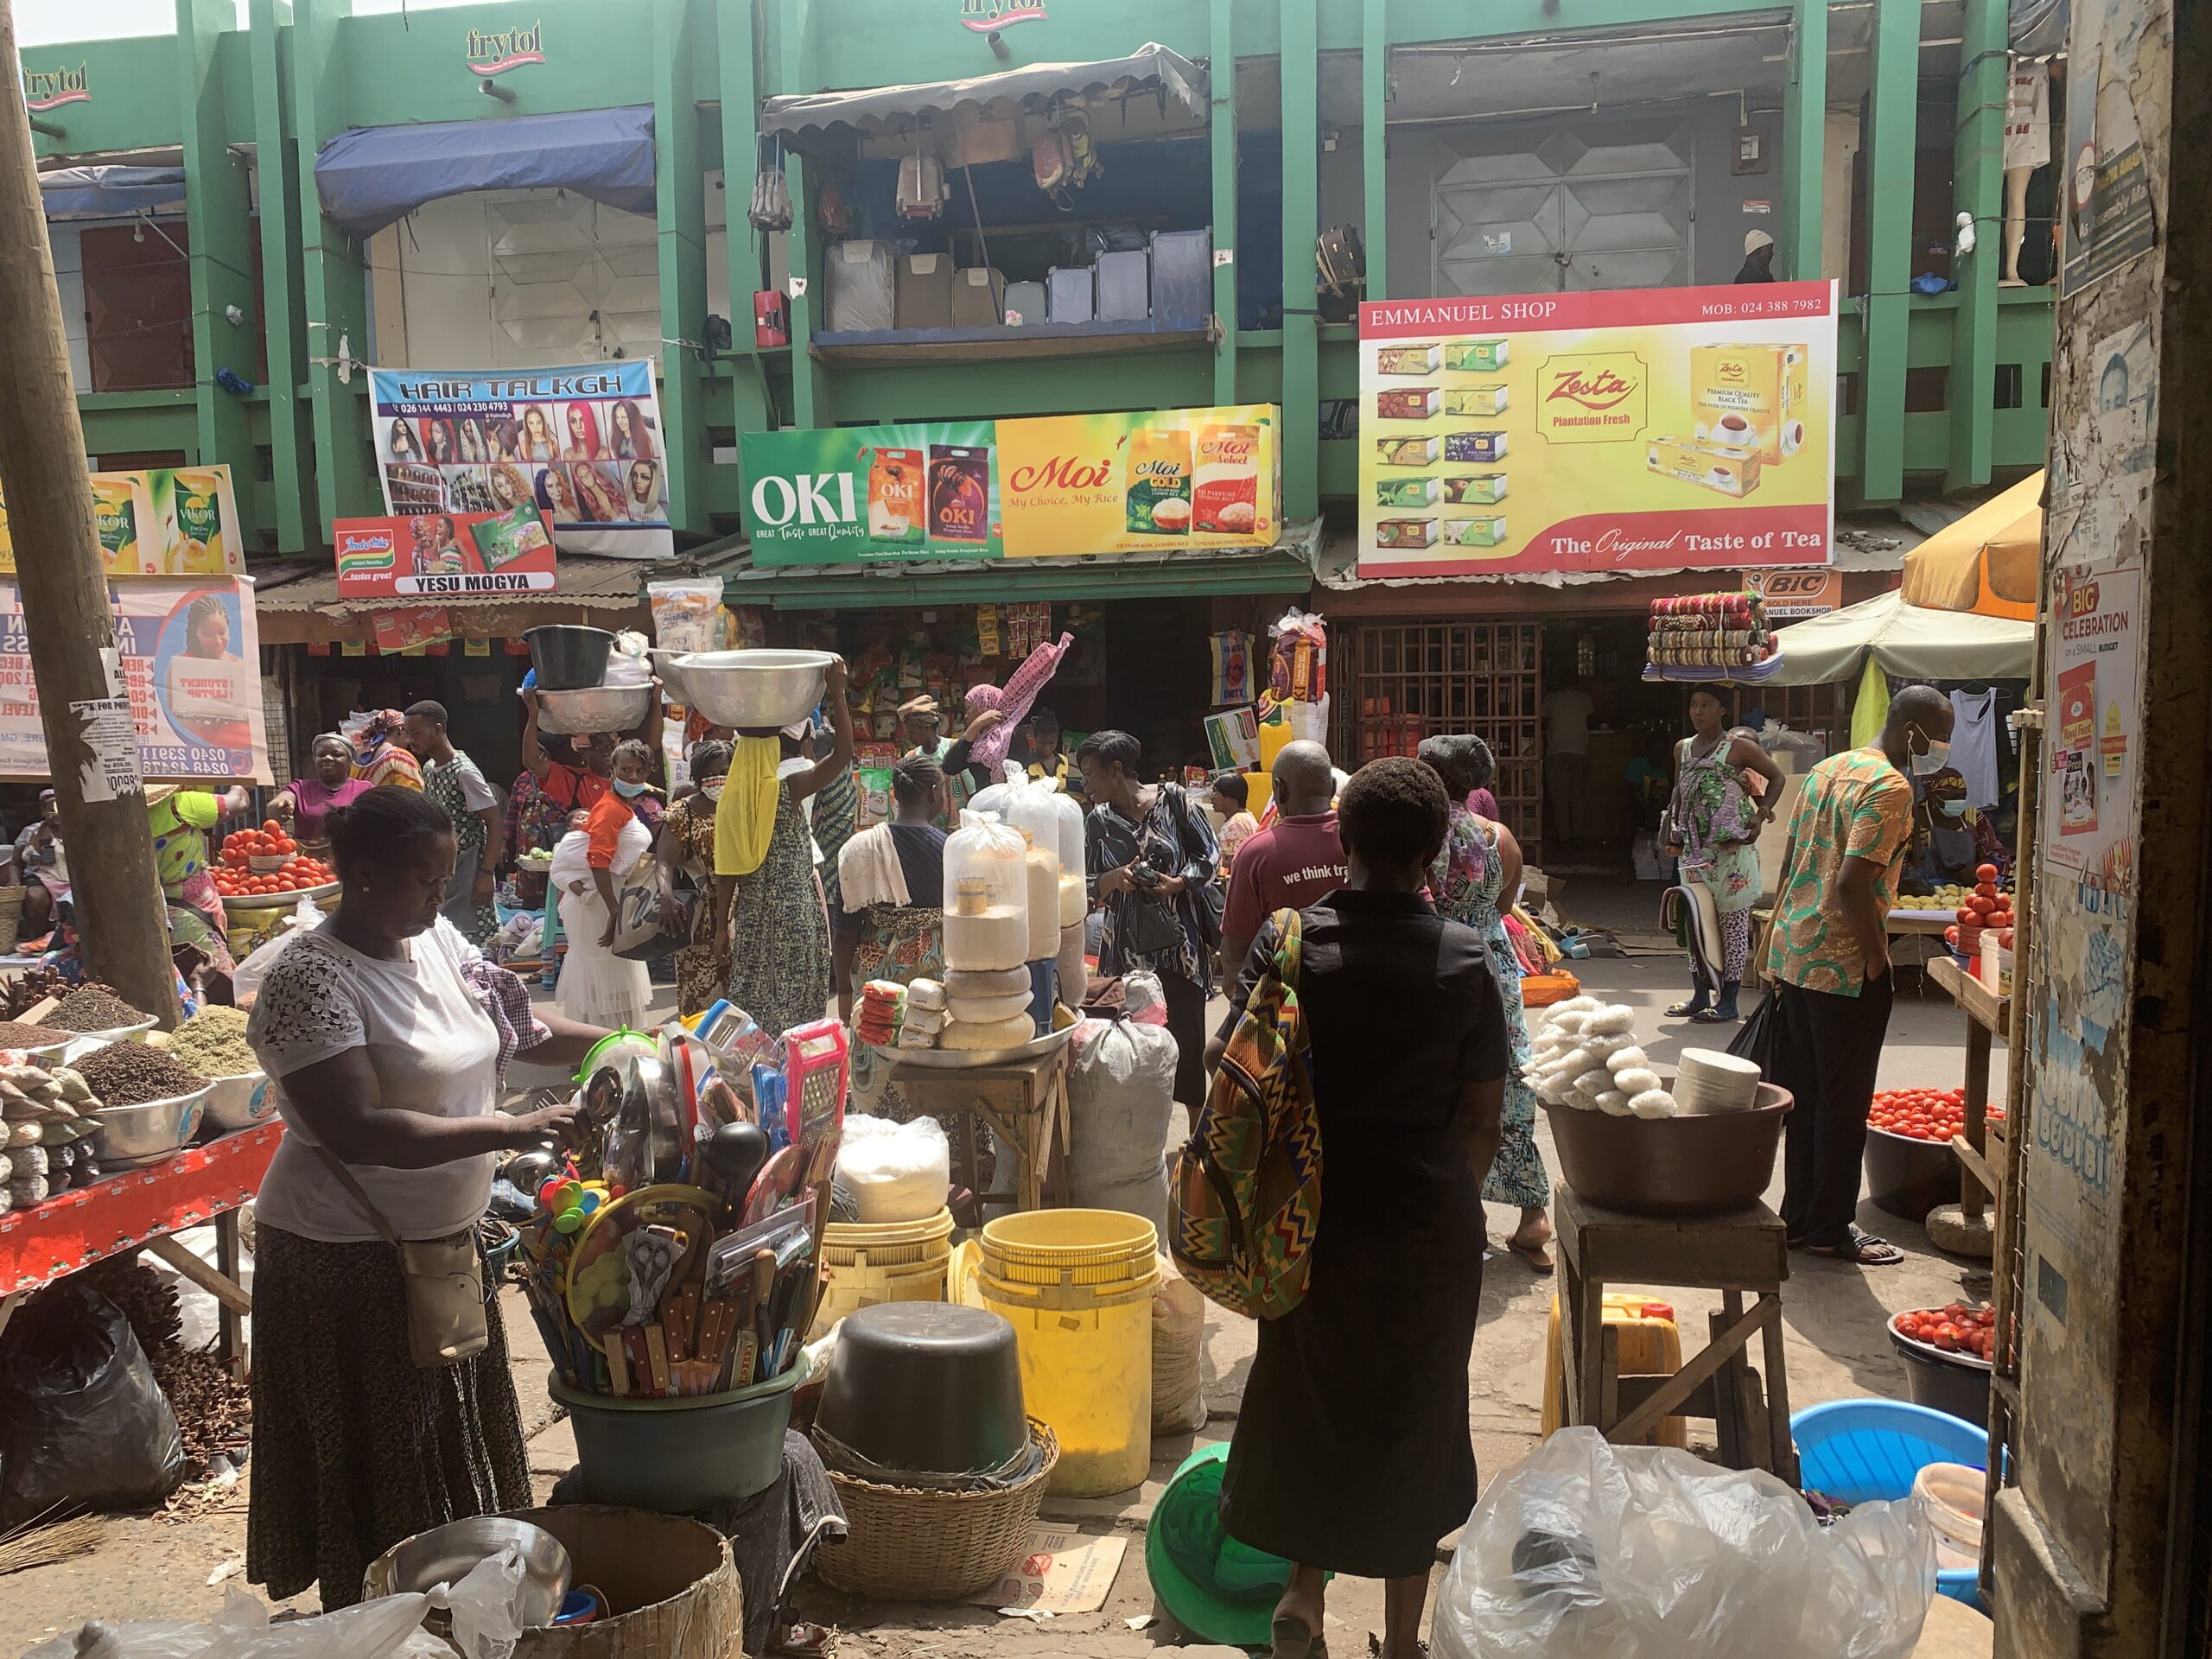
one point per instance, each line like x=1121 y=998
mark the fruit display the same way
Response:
x=1924 y=1114
x=1984 y=907
x=235 y=876
x=1957 y=1328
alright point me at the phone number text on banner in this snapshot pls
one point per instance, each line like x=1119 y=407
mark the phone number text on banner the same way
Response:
x=583 y=445
x=191 y=660
x=1642 y=429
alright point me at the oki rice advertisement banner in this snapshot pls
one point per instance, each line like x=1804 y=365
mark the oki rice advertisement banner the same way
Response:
x=582 y=446
x=168 y=521
x=1155 y=480
x=443 y=554
x=191 y=665
x=1644 y=429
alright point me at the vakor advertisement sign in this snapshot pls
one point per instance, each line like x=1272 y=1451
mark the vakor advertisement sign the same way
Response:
x=1160 y=481
x=171 y=521
x=1644 y=429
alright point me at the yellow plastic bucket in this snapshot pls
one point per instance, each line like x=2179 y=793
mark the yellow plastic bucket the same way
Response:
x=1076 y=1286
x=866 y=1263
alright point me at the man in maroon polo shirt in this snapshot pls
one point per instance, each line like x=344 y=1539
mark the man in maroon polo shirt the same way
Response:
x=1290 y=863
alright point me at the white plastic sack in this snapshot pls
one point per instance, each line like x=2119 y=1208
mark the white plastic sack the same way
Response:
x=1585 y=1550
x=246 y=981
x=1120 y=1100
x=1179 y=1345
x=895 y=1171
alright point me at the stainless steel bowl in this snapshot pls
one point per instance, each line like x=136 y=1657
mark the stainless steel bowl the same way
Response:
x=131 y=1136
x=121 y=1035
x=602 y=709
x=447 y=1555
x=755 y=690
x=241 y=1101
x=669 y=664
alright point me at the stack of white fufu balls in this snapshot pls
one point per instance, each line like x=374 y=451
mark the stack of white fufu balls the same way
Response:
x=1586 y=1056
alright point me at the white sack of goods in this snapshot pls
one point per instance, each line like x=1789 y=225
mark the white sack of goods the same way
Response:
x=1003 y=1033
x=895 y=1171
x=1121 y=1101
x=1587 y=1057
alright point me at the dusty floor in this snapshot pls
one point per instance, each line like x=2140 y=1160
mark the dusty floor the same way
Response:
x=175 y=1566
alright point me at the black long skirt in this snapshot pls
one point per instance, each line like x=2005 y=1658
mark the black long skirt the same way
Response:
x=1352 y=1451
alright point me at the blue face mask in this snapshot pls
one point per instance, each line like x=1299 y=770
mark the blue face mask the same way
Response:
x=1954 y=809
x=628 y=791
x=1938 y=756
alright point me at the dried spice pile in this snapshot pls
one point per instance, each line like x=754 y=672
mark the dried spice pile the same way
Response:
x=130 y=1074
x=213 y=1043
x=14 y=1034
x=94 y=1006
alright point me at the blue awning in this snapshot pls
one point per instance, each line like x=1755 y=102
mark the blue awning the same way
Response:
x=374 y=176
x=110 y=191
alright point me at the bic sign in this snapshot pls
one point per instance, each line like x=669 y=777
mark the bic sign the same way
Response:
x=1793 y=595
x=807 y=499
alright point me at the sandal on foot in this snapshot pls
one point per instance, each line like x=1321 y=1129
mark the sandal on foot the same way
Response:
x=1865 y=1250
x=1537 y=1253
x=1715 y=1017
x=1377 y=1651
x=1685 y=1010
x=1295 y=1636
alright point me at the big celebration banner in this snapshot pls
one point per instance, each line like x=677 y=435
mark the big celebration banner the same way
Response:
x=1643 y=430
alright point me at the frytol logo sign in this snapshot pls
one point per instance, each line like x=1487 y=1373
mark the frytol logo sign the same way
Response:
x=496 y=52
x=805 y=499
x=982 y=16
x=49 y=89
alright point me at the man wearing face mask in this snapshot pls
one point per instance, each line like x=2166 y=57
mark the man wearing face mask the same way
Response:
x=1829 y=957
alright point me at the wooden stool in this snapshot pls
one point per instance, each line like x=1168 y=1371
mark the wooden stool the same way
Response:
x=1747 y=1251
x=1024 y=1102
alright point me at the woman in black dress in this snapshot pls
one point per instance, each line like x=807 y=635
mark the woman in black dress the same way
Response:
x=1352 y=1453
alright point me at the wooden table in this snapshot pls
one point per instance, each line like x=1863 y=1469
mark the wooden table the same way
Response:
x=1025 y=1102
x=1987 y=1015
x=1745 y=1252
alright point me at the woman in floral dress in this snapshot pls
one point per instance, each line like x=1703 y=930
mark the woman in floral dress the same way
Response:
x=1474 y=881
x=1715 y=824
x=685 y=848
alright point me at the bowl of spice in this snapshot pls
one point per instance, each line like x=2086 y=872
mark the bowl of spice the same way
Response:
x=41 y=1043
x=150 y=1102
x=213 y=1043
x=96 y=1013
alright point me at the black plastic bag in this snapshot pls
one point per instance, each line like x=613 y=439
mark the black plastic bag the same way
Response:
x=83 y=1423
x=1756 y=1038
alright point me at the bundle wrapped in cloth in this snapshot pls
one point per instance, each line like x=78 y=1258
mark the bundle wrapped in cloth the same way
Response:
x=883 y=1005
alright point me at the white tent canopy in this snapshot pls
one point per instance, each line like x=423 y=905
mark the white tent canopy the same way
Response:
x=1911 y=641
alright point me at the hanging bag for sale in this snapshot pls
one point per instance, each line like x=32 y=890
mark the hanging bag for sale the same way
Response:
x=770 y=208
x=922 y=190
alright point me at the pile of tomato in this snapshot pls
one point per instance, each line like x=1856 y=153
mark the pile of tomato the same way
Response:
x=1956 y=1329
x=1923 y=1113
x=1985 y=907
x=235 y=877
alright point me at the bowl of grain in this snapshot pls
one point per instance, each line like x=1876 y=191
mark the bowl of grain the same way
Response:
x=213 y=1043
x=97 y=1016
x=43 y=1045
x=150 y=1102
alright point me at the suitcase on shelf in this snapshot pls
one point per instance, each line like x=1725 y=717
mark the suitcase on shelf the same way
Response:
x=1070 y=295
x=1025 y=304
x=1124 y=287
x=861 y=281
x=1182 y=278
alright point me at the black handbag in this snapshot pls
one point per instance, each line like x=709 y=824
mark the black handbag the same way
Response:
x=1148 y=924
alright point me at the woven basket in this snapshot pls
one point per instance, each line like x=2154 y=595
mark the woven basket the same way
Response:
x=906 y=1545
x=11 y=917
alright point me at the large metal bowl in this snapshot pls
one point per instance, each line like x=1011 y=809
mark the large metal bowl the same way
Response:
x=241 y=1101
x=669 y=665
x=602 y=709
x=447 y=1555
x=755 y=690
x=151 y=1131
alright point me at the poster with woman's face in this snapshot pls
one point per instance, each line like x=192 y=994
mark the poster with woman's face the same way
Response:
x=204 y=683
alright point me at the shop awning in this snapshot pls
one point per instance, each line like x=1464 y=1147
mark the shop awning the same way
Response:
x=1912 y=641
x=110 y=191
x=1988 y=561
x=1286 y=567
x=302 y=606
x=1151 y=68
x=371 y=177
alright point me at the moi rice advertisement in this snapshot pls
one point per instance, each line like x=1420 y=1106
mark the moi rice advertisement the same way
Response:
x=1154 y=480
x=1637 y=430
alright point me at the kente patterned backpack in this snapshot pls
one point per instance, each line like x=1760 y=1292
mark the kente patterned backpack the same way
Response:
x=1248 y=1187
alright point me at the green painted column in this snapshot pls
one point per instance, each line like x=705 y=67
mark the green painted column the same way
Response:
x=1805 y=140
x=809 y=391
x=1891 y=125
x=683 y=45
x=218 y=208
x=1301 y=209
x=738 y=49
x=1222 y=117
x=333 y=277
x=291 y=427
x=1374 y=144
x=1978 y=186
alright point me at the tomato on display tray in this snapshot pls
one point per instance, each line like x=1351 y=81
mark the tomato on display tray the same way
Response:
x=1957 y=1328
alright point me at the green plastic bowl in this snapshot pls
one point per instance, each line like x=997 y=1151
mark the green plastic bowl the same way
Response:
x=1216 y=1588
x=682 y=1456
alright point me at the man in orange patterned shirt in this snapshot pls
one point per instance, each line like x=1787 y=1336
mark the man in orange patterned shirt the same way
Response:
x=1828 y=957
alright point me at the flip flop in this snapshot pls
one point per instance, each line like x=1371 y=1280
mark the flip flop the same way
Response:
x=1714 y=1017
x=1685 y=1010
x=1538 y=1256
x=1865 y=1250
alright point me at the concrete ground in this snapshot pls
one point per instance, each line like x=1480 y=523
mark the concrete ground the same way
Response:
x=1836 y=1347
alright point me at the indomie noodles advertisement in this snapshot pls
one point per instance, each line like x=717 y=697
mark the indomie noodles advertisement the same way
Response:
x=1644 y=429
x=1155 y=480
x=191 y=664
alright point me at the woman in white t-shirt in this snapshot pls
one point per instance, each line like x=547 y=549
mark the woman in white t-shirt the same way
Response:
x=388 y=1032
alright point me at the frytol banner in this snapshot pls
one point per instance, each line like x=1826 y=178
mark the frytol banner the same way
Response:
x=581 y=445
x=191 y=667
x=1638 y=430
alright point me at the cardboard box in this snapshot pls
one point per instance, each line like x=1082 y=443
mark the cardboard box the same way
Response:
x=978 y=297
x=1474 y=446
x=1750 y=397
x=1476 y=400
x=1405 y=532
x=1487 y=530
x=1477 y=356
x=925 y=290
x=1407 y=452
x=1406 y=403
x=1716 y=467
x=1407 y=492
x=1475 y=490
x=1407 y=359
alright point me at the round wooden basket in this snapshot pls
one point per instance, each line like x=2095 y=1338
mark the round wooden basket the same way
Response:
x=909 y=1545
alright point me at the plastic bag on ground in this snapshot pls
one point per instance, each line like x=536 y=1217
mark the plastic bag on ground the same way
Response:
x=1587 y=1550
x=1179 y=1347
x=1120 y=1101
x=389 y=1627
x=896 y=1172
x=82 y=1421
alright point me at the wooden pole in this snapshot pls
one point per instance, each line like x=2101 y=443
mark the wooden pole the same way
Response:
x=122 y=929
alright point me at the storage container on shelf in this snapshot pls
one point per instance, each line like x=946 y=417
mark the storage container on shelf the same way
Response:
x=1067 y=815
x=1028 y=809
x=986 y=895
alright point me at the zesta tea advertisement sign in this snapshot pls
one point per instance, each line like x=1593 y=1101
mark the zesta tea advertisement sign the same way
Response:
x=1644 y=429
x=1160 y=481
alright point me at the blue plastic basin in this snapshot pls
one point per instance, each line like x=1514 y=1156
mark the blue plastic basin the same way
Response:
x=1862 y=1450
